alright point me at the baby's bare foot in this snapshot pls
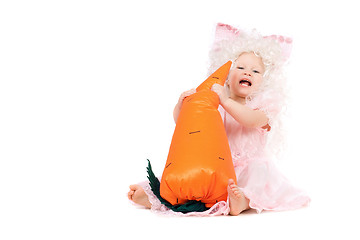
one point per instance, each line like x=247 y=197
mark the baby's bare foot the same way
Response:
x=138 y=195
x=238 y=201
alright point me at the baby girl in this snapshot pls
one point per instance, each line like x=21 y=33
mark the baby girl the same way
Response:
x=250 y=105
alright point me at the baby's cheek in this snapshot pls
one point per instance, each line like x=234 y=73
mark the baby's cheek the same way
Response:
x=258 y=82
x=232 y=77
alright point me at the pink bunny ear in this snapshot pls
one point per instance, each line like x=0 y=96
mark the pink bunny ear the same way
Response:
x=225 y=32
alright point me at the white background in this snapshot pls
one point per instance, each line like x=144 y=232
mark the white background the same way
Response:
x=87 y=90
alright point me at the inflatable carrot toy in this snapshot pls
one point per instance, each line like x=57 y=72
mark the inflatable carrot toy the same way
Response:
x=199 y=162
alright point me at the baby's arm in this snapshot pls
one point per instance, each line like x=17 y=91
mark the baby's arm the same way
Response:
x=180 y=102
x=244 y=115
x=241 y=113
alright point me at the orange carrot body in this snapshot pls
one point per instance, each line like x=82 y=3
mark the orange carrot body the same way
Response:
x=199 y=163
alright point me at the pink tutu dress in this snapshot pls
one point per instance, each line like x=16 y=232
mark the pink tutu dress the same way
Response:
x=257 y=176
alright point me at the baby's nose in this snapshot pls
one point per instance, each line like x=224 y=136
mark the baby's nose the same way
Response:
x=247 y=74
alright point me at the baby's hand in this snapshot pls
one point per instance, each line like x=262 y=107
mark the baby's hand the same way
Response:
x=180 y=102
x=220 y=91
x=186 y=94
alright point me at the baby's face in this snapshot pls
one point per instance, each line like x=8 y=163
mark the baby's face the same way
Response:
x=247 y=75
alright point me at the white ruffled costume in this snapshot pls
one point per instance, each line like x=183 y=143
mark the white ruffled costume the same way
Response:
x=257 y=176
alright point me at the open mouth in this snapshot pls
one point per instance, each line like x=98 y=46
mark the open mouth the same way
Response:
x=245 y=82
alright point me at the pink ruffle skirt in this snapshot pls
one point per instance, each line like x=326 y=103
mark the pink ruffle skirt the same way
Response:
x=260 y=181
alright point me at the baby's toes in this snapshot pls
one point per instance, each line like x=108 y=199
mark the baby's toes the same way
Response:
x=230 y=190
x=237 y=193
x=231 y=182
x=130 y=194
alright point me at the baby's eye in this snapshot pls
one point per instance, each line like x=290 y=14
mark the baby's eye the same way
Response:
x=240 y=67
x=256 y=71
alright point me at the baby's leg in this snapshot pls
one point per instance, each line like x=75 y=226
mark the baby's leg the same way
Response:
x=238 y=202
x=138 y=195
